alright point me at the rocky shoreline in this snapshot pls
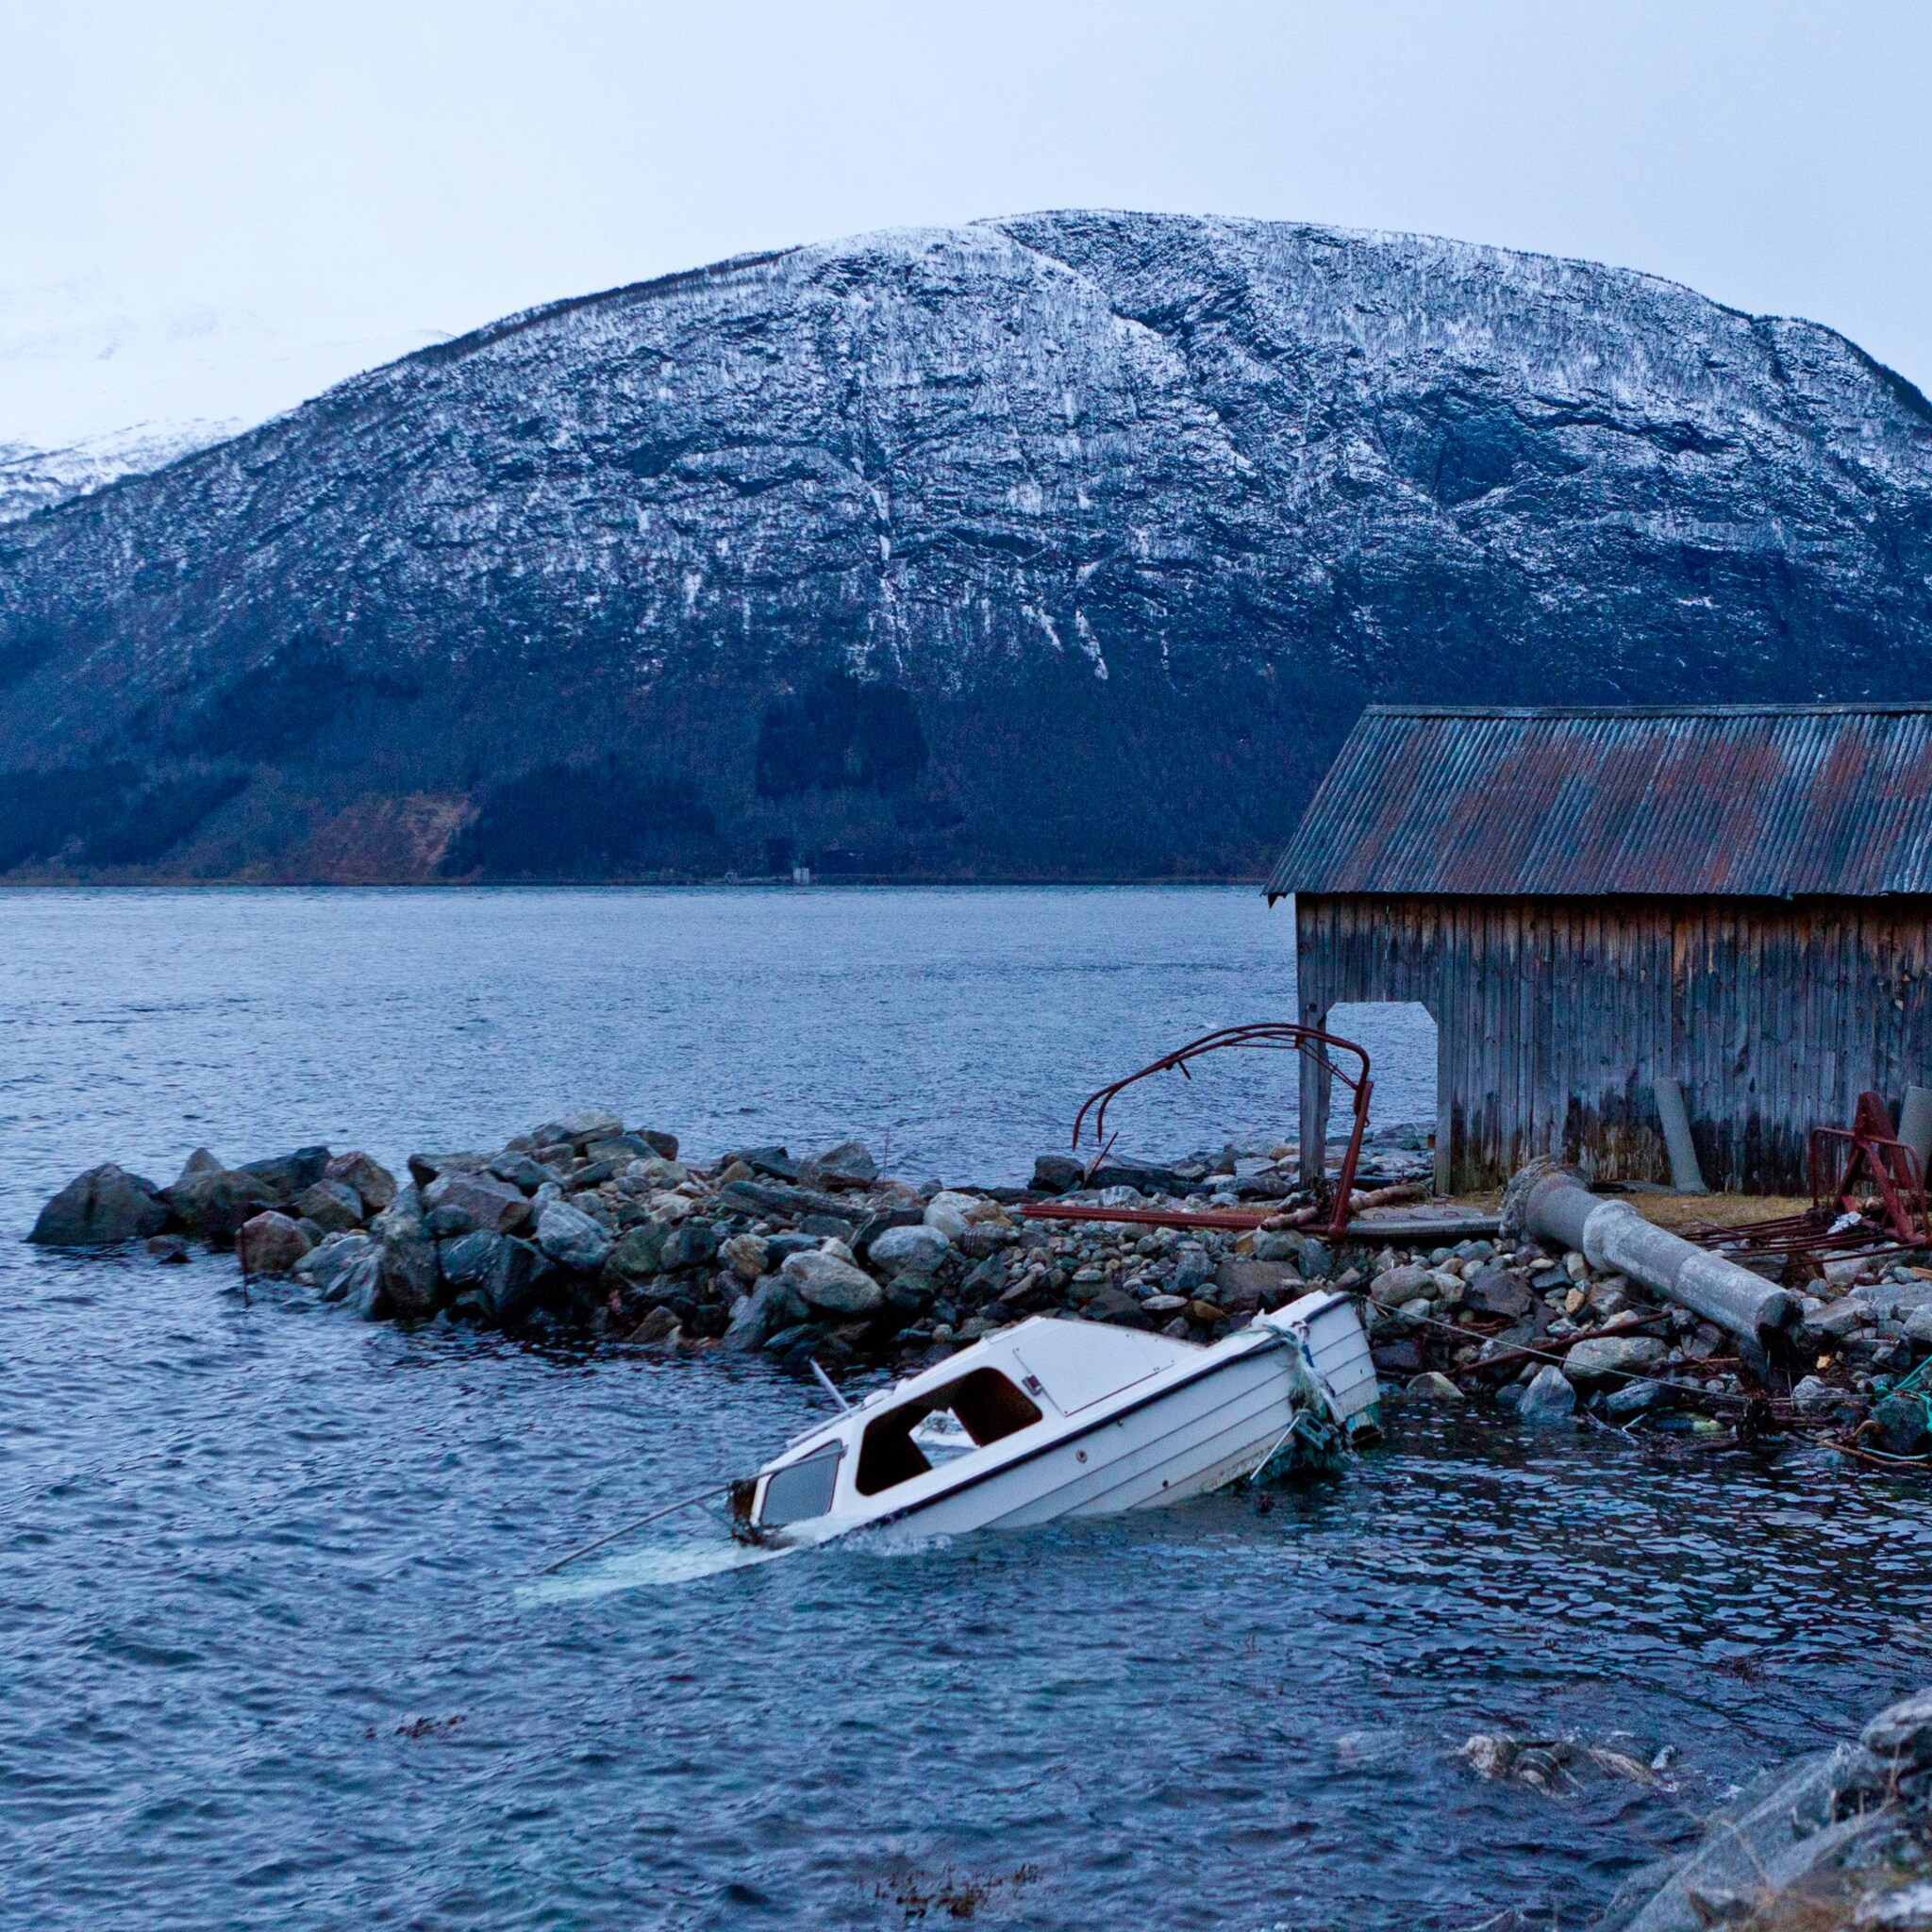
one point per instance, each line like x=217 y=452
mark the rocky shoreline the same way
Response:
x=583 y=1227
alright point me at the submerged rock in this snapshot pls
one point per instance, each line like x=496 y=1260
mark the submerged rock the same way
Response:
x=104 y=1204
x=1549 y=1398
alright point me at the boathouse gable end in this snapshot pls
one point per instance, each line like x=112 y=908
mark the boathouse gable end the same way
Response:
x=1736 y=898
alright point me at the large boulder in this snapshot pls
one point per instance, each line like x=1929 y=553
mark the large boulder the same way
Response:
x=333 y=1206
x=639 y=1251
x=271 y=1243
x=467 y=1259
x=908 y=1249
x=847 y=1165
x=495 y=1207
x=1057 y=1174
x=572 y=1239
x=215 y=1203
x=372 y=1182
x=325 y=1265
x=515 y=1274
x=834 y=1286
x=409 y=1275
x=106 y=1203
x=289 y=1174
x=690 y=1244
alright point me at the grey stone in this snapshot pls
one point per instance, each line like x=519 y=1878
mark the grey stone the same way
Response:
x=918 y=1249
x=289 y=1174
x=661 y=1325
x=358 y=1286
x=1549 y=1398
x=169 y=1249
x=1249 y=1285
x=525 y=1174
x=200 y=1161
x=270 y=1243
x=592 y=1123
x=690 y=1244
x=1834 y=1321
x=847 y=1165
x=767 y=1307
x=1604 y=1358
x=1433 y=1386
x=215 y=1203
x=333 y=1206
x=1901 y=1422
x=568 y=1236
x=639 y=1251
x=838 y=1287
x=1919 y=1328
x=1395 y=1288
x=1901 y=1732
x=106 y=1203
x=1057 y=1173
x=496 y=1206
x=325 y=1264
x=1635 y=1398
x=515 y=1274
x=467 y=1261
x=774 y=1163
x=1811 y=1396
x=424 y=1168
x=375 y=1186
x=1115 y=1306
x=408 y=1272
x=1492 y=1290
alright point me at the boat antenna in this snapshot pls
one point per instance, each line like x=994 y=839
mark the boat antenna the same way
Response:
x=826 y=1382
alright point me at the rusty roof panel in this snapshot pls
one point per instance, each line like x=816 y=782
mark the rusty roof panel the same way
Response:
x=1752 y=801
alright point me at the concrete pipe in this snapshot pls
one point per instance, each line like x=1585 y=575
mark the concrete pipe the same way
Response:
x=1553 y=1204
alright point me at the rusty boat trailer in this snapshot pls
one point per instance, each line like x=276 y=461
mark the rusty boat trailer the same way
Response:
x=1268 y=1036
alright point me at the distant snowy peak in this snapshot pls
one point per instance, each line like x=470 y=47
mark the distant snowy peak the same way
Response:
x=95 y=386
x=33 y=479
x=1063 y=546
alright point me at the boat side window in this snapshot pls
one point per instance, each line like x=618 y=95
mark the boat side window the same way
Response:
x=801 y=1490
x=986 y=1403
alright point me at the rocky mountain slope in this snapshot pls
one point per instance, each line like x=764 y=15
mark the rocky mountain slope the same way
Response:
x=1066 y=545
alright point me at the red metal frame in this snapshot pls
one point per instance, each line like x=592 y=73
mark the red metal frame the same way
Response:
x=1842 y=1159
x=1276 y=1036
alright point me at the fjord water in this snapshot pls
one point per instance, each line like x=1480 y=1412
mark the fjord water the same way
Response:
x=267 y=1651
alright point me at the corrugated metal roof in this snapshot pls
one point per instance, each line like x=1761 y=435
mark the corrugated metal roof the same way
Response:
x=1761 y=801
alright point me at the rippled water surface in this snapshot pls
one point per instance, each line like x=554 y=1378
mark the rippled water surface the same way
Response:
x=269 y=1648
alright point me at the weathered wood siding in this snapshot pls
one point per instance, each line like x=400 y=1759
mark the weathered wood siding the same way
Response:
x=1554 y=1016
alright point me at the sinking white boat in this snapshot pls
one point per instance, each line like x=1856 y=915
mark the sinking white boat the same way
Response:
x=1054 y=1418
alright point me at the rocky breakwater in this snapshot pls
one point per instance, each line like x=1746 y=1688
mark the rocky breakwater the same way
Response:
x=1843 y=1840
x=583 y=1227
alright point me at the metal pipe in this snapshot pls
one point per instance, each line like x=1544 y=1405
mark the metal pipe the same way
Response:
x=1553 y=1204
x=1675 y=1118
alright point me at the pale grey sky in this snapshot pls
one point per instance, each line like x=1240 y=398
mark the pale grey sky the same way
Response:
x=375 y=171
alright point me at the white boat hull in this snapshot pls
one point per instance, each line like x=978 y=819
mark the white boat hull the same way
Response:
x=1110 y=1420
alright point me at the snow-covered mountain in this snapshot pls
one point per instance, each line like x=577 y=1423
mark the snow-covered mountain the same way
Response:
x=1066 y=545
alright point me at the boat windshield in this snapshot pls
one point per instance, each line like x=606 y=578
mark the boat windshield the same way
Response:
x=801 y=1490
x=984 y=1404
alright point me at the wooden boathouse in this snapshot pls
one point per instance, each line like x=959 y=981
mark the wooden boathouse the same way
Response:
x=1590 y=901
